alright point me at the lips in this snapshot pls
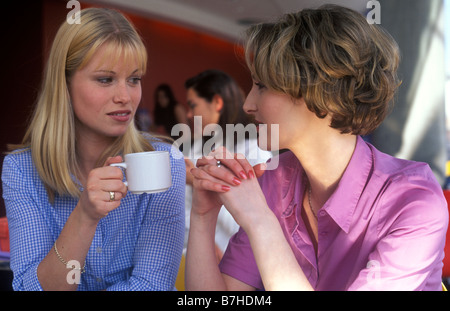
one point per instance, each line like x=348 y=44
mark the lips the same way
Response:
x=120 y=115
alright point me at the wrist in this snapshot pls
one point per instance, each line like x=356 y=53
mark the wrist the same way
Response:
x=261 y=223
x=204 y=217
x=84 y=220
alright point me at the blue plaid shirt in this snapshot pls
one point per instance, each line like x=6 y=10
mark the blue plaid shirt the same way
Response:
x=138 y=246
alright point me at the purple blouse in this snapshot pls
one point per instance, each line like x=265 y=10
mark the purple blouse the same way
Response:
x=383 y=228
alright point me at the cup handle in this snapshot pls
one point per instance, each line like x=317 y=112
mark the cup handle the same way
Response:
x=122 y=165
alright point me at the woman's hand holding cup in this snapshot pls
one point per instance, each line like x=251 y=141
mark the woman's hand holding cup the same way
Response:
x=103 y=191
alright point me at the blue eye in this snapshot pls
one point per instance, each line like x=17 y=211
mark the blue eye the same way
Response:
x=135 y=80
x=105 y=80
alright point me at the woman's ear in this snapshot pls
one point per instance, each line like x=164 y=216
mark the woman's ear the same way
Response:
x=218 y=102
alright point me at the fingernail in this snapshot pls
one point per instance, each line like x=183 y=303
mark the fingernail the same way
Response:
x=236 y=181
x=251 y=174
x=243 y=175
x=226 y=188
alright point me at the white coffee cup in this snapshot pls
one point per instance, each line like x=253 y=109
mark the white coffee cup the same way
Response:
x=147 y=172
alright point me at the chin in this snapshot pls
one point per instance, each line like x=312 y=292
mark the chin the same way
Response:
x=117 y=133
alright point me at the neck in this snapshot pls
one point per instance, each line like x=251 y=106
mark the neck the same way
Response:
x=89 y=150
x=324 y=160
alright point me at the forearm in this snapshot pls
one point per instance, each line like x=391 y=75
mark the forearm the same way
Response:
x=276 y=262
x=202 y=271
x=73 y=243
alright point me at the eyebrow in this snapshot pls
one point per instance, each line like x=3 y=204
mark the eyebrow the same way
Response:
x=113 y=72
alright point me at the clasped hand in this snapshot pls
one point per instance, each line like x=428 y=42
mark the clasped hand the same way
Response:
x=232 y=182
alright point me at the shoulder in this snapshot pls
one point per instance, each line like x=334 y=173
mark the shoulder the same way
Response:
x=392 y=168
x=23 y=153
x=161 y=144
x=19 y=172
x=175 y=153
x=19 y=160
x=177 y=164
x=411 y=191
x=405 y=175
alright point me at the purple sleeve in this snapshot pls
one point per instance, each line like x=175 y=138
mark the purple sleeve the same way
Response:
x=239 y=262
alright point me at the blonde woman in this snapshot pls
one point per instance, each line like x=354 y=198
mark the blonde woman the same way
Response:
x=63 y=200
x=336 y=214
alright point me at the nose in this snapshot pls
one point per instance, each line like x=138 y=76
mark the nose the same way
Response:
x=249 y=104
x=122 y=93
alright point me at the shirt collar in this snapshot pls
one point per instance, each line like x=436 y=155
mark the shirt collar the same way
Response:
x=292 y=183
x=342 y=203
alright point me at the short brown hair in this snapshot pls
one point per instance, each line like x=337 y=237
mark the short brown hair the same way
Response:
x=333 y=58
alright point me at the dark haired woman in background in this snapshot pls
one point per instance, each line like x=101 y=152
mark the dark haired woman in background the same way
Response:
x=168 y=111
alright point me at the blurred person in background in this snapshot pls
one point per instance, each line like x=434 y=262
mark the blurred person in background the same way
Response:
x=215 y=96
x=168 y=112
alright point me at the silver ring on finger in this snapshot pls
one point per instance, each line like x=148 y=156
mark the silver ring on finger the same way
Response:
x=112 y=196
x=218 y=163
